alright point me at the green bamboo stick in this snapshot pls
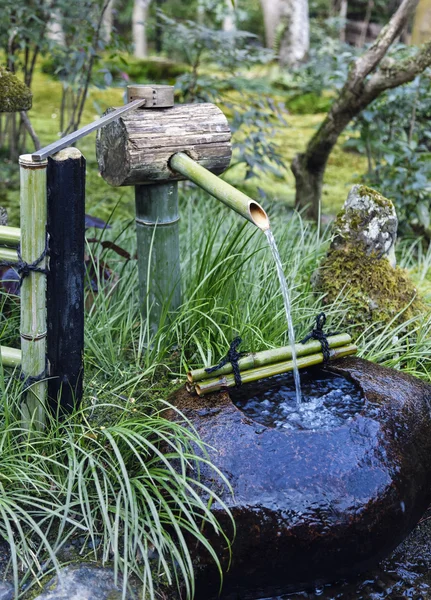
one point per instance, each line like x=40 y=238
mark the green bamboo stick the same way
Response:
x=233 y=198
x=269 y=357
x=33 y=296
x=10 y=357
x=226 y=381
x=11 y=236
x=8 y=255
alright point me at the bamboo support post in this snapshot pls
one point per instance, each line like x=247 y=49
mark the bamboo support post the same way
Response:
x=268 y=357
x=226 y=381
x=33 y=296
x=223 y=191
x=65 y=281
x=10 y=357
x=157 y=229
x=10 y=236
x=8 y=255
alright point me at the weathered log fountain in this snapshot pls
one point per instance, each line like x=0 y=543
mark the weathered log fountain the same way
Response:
x=310 y=506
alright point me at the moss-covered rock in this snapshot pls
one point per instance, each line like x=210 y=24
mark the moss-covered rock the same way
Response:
x=369 y=220
x=14 y=95
x=359 y=266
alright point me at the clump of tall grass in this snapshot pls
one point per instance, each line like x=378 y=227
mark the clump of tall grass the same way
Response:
x=129 y=487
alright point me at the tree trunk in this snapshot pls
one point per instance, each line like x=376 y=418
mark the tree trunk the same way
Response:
x=343 y=19
x=309 y=167
x=368 y=77
x=229 y=20
x=139 y=20
x=54 y=28
x=107 y=22
x=271 y=16
x=295 y=40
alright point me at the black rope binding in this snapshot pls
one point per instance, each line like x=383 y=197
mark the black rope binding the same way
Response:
x=318 y=334
x=31 y=380
x=24 y=268
x=232 y=356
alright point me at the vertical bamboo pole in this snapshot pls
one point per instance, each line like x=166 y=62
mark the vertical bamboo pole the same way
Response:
x=65 y=282
x=157 y=230
x=33 y=301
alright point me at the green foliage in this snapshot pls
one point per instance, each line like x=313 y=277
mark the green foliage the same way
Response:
x=308 y=104
x=394 y=134
x=254 y=113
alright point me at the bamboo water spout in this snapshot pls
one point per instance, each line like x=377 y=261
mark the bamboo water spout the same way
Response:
x=223 y=191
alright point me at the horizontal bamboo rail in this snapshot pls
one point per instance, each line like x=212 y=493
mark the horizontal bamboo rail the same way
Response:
x=270 y=357
x=10 y=236
x=226 y=381
x=10 y=357
x=223 y=191
x=8 y=255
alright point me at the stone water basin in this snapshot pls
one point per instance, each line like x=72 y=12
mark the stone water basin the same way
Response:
x=313 y=506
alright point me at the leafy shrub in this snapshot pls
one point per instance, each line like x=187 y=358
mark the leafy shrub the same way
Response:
x=394 y=135
x=252 y=111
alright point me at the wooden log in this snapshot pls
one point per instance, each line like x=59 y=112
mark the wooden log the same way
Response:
x=65 y=285
x=135 y=149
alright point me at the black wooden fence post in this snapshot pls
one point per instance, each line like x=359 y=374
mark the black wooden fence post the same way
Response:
x=65 y=281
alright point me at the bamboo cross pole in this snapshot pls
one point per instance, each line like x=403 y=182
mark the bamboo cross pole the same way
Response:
x=33 y=300
x=267 y=357
x=226 y=381
x=10 y=236
x=8 y=255
x=10 y=357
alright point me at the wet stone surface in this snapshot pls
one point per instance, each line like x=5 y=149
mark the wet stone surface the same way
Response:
x=328 y=401
x=405 y=574
x=314 y=506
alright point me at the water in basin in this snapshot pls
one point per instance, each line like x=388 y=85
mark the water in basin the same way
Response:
x=328 y=401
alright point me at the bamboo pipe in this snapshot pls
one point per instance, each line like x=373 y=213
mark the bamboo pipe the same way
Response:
x=223 y=191
x=10 y=357
x=33 y=294
x=8 y=255
x=269 y=357
x=226 y=381
x=10 y=236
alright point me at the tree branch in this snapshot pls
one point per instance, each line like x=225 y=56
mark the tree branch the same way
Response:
x=369 y=61
x=398 y=73
x=29 y=127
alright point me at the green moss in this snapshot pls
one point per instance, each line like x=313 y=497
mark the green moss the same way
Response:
x=14 y=95
x=375 y=291
x=308 y=104
x=380 y=200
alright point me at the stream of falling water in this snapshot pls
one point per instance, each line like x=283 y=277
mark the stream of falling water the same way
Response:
x=287 y=308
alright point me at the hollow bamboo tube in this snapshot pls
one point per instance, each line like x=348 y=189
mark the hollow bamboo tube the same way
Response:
x=10 y=236
x=223 y=191
x=10 y=357
x=269 y=357
x=226 y=381
x=8 y=255
x=33 y=297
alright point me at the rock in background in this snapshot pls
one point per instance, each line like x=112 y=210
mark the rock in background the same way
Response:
x=360 y=263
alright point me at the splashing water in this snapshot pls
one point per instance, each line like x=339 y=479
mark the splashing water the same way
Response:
x=287 y=308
